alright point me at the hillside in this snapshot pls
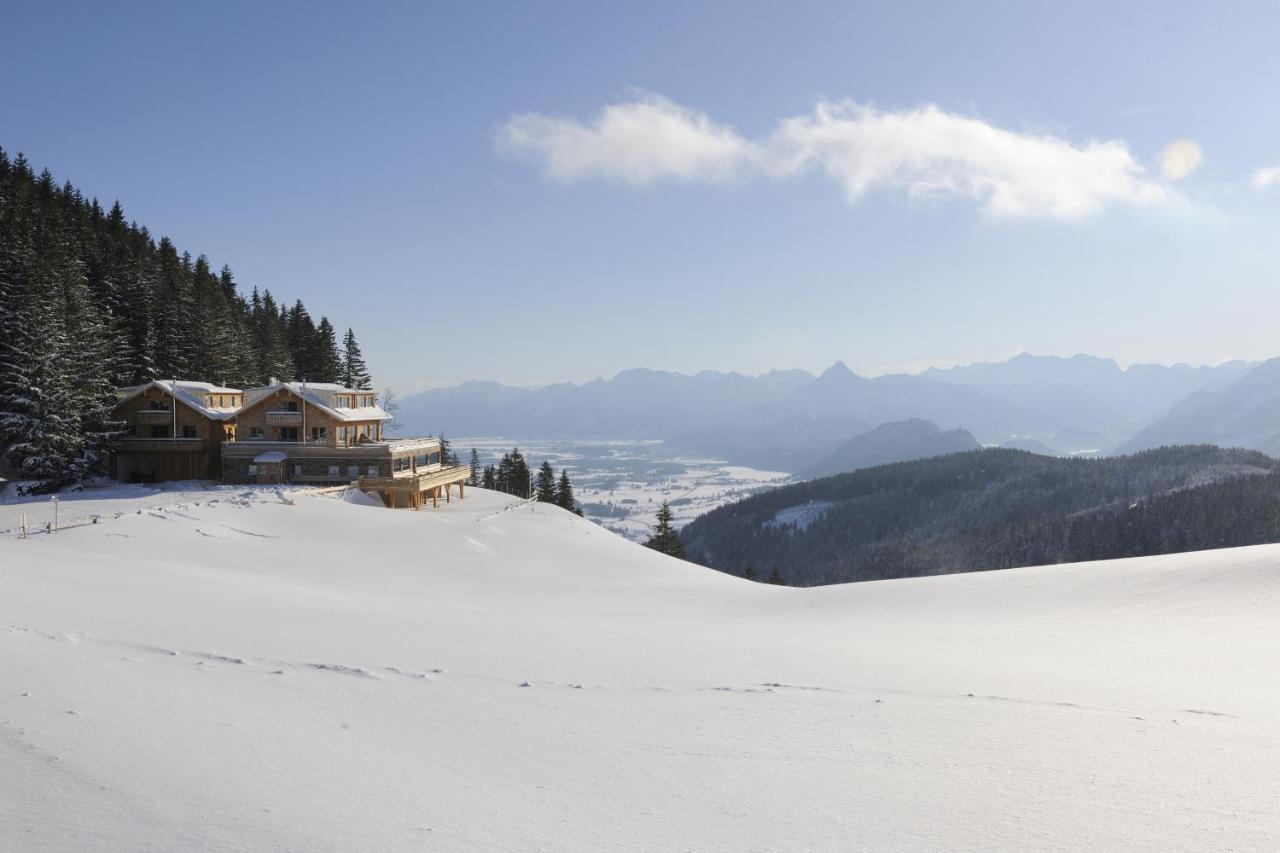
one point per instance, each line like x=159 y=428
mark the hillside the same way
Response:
x=899 y=441
x=222 y=671
x=993 y=509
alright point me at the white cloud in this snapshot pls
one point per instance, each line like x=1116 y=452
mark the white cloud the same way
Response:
x=924 y=153
x=1266 y=177
x=927 y=152
x=635 y=142
x=1179 y=159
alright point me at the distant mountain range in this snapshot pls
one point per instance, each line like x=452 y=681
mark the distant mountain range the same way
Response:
x=790 y=420
x=898 y=441
x=993 y=509
x=1244 y=413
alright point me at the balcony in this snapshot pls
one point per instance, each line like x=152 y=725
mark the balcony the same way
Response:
x=284 y=418
x=153 y=416
x=162 y=445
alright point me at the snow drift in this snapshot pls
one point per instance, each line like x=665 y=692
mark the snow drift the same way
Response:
x=225 y=670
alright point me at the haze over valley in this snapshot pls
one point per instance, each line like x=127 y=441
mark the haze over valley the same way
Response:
x=789 y=420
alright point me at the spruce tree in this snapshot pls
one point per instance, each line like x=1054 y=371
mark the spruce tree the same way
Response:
x=775 y=577
x=354 y=372
x=275 y=360
x=490 y=478
x=300 y=335
x=512 y=475
x=664 y=537
x=447 y=456
x=474 y=478
x=564 y=493
x=326 y=360
x=545 y=484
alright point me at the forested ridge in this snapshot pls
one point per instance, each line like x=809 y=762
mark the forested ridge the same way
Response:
x=90 y=302
x=994 y=509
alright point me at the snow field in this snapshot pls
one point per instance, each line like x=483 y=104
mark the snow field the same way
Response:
x=227 y=671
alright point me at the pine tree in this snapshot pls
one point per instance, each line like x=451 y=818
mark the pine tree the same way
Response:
x=749 y=574
x=775 y=577
x=448 y=458
x=545 y=483
x=512 y=475
x=326 y=360
x=564 y=494
x=490 y=478
x=354 y=372
x=474 y=478
x=37 y=404
x=275 y=360
x=300 y=335
x=664 y=538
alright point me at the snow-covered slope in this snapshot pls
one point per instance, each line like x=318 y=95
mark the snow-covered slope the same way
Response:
x=235 y=673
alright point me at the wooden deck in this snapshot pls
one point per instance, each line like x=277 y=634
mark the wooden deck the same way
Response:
x=412 y=488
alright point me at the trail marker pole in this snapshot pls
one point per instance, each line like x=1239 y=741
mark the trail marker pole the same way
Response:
x=55 y=512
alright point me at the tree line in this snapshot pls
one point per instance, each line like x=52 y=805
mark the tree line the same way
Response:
x=91 y=302
x=513 y=476
x=994 y=509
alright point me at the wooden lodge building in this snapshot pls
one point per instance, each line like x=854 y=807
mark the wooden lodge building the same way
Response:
x=285 y=432
x=174 y=431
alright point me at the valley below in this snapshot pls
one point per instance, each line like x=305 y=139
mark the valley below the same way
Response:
x=621 y=482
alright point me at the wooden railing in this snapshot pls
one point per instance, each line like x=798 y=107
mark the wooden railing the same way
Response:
x=417 y=481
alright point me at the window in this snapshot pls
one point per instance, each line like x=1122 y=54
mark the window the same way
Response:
x=353 y=471
x=189 y=431
x=160 y=432
x=288 y=433
x=253 y=470
x=159 y=406
x=319 y=433
x=297 y=470
x=333 y=471
x=373 y=470
x=255 y=432
x=289 y=406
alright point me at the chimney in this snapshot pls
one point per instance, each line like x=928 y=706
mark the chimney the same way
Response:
x=273 y=381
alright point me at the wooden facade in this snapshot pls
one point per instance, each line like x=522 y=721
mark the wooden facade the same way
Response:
x=283 y=414
x=172 y=434
x=282 y=433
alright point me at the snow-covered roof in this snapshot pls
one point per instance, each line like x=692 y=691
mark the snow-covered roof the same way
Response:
x=271 y=456
x=203 y=387
x=331 y=386
x=190 y=394
x=320 y=395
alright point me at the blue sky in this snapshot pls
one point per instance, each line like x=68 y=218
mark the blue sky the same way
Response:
x=442 y=177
